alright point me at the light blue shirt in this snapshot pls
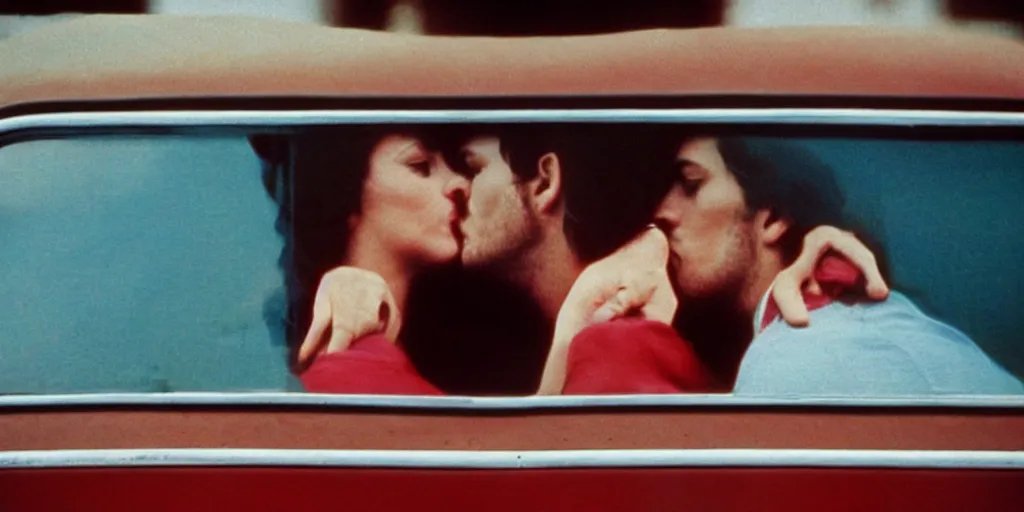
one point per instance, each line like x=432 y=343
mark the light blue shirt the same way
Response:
x=885 y=348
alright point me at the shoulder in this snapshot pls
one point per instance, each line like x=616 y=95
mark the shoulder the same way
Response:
x=889 y=348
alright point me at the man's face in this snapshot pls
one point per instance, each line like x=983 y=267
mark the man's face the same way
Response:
x=498 y=226
x=710 y=233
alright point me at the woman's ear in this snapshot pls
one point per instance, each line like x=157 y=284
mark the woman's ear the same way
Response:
x=771 y=227
x=546 y=188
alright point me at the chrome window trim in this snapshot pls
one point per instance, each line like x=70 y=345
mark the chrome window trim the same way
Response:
x=243 y=118
x=547 y=459
x=523 y=403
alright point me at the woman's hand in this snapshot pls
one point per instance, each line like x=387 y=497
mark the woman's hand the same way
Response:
x=352 y=303
x=793 y=280
x=632 y=281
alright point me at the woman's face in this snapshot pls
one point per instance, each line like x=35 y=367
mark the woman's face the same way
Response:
x=409 y=201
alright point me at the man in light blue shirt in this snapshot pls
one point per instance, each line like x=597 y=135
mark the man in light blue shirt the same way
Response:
x=869 y=349
x=735 y=217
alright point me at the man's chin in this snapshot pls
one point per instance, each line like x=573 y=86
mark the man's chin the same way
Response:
x=468 y=259
x=472 y=257
x=483 y=263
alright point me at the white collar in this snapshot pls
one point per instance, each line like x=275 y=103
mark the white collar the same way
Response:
x=761 y=307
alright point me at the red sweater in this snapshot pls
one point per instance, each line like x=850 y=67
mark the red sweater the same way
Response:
x=619 y=357
x=371 y=365
x=629 y=356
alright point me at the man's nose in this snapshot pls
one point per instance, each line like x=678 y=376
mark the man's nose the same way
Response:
x=662 y=219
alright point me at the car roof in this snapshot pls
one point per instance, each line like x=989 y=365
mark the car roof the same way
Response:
x=160 y=56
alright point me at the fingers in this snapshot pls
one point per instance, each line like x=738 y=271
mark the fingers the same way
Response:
x=608 y=311
x=631 y=297
x=650 y=247
x=362 y=314
x=345 y=328
x=392 y=320
x=647 y=294
x=788 y=296
x=803 y=268
x=787 y=290
x=663 y=302
x=313 y=341
x=352 y=303
x=800 y=275
x=340 y=340
x=789 y=284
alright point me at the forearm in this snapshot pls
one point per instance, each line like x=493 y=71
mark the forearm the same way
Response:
x=553 y=379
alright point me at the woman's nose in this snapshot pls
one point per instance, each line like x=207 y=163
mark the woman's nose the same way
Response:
x=456 y=188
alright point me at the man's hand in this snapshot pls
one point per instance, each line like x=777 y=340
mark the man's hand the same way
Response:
x=352 y=303
x=790 y=283
x=632 y=281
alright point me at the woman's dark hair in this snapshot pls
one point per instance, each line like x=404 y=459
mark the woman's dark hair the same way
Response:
x=316 y=177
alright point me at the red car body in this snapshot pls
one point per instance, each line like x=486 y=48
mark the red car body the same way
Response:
x=262 y=451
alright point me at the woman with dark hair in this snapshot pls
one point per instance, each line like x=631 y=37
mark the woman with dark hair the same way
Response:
x=373 y=200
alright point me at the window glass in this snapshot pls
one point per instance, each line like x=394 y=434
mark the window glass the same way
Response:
x=948 y=218
x=136 y=264
x=191 y=262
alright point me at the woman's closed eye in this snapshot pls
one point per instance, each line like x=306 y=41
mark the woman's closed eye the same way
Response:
x=690 y=185
x=415 y=157
x=420 y=167
x=691 y=177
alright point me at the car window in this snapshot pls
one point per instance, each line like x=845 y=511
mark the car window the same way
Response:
x=190 y=261
x=137 y=264
x=945 y=213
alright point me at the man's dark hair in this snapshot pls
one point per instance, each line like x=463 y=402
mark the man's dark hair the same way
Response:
x=610 y=174
x=521 y=145
x=790 y=181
